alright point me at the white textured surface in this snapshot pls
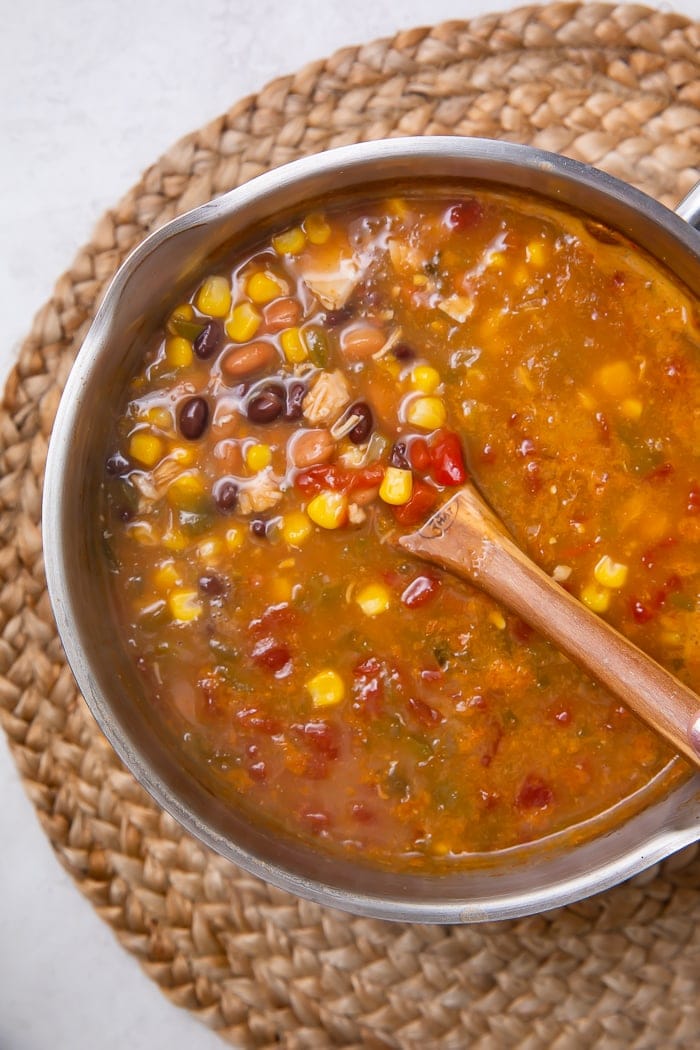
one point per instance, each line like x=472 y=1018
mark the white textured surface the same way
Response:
x=92 y=94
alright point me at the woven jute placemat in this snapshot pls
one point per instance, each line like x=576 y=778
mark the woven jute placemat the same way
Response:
x=617 y=86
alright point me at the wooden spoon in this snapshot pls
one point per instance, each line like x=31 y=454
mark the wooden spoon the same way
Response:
x=466 y=537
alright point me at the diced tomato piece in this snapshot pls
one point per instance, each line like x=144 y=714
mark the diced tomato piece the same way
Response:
x=320 y=736
x=418 y=508
x=266 y=653
x=365 y=478
x=419 y=454
x=641 y=613
x=425 y=714
x=534 y=793
x=319 y=478
x=465 y=215
x=420 y=590
x=447 y=459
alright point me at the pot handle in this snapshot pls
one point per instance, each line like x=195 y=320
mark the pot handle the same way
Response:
x=689 y=207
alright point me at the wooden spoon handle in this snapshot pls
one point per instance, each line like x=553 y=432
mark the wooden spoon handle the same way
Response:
x=467 y=538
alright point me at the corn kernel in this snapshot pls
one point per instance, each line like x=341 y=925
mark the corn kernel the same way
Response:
x=166 y=576
x=631 y=408
x=521 y=276
x=144 y=533
x=497 y=259
x=183 y=312
x=281 y=590
x=291 y=242
x=425 y=378
x=328 y=509
x=174 y=540
x=185 y=488
x=243 y=323
x=263 y=288
x=595 y=597
x=497 y=618
x=159 y=417
x=185 y=457
x=610 y=573
x=210 y=551
x=294 y=349
x=145 y=448
x=234 y=538
x=426 y=412
x=616 y=379
x=184 y=605
x=536 y=253
x=214 y=297
x=326 y=688
x=258 y=457
x=373 y=599
x=296 y=528
x=178 y=352
x=316 y=228
x=397 y=486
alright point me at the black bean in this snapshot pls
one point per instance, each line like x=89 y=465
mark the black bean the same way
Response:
x=208 y=341
x=293 y=409
x=117 y=464
x=399 y=456
x=258 y=527
x=266 y=406
x=212 y=585
x=225 y=494
x=363 y=428
x=194 y=416
x=403 y=352
x=340 y=316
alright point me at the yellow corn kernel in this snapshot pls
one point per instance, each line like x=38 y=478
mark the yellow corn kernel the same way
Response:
x=616 y=379
x=178 y=352
x=281 y=590
x=536 y=253
x=610 y=573
x=397 y=486
x=521 y=276
x=166 y=576
x=398 y=207
x=185 y=488
x=183 y=312
x=426 y=412
x=184 y=605
x=243 y=323
x=497 y=618
x=631 y=408
x=296 y=528
x=291 y=242
x=263 y=288
x=425 y=378
x=326 y=688
x=159 y=417
x=373 y=599
x=328 y=509
x=145 y=448
x=420 y=280
x=497 y=259
x=144 y=533
x=185 y=457
x=293 y=346
x=316 y=228
x=214 y=297
x=210 y=551
x=234 y=537
x=597 y=598
x=258 y=457
x=174 y=540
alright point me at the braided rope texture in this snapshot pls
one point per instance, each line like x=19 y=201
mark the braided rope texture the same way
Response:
x=616 y=86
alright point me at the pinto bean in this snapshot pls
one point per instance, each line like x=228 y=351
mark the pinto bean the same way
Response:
x=281 y=313
x=311 y=447
x=359 y=343
x=246 y=360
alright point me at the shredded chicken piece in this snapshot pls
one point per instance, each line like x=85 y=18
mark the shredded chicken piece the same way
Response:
x=391 y=342
x=356 y=515
x=153 y=486
x=334 y=287
x=458 y=307
x=327 y=398
x=260 y=493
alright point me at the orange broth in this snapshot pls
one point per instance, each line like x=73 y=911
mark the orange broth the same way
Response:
x=326 y=390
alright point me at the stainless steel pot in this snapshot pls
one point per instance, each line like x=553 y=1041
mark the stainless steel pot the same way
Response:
x=508 y=884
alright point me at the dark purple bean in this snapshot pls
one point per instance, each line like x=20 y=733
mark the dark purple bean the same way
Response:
x=225 y=494
x=363 y=428
x=211 y=585
x=296 y=392
x=194 y=416
x=403 y=352
x=208 y=341
x=337 y=317
x=399 y=456
x=117 y=464
x=266 y=406
x=258 y=527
